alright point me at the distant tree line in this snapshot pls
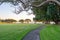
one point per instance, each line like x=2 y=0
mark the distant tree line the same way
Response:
x=13 y=20
x=26 y=20
x=8 y=20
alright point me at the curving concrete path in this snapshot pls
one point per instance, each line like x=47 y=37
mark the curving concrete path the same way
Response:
x=34 y=35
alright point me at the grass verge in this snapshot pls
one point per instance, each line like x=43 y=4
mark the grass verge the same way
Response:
x=51 y=32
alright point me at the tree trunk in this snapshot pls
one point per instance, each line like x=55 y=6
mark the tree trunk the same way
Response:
x=47 y=22
x=57 y=22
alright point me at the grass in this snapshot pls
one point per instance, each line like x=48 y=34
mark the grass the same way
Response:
x=15 y=31
x=51 y=32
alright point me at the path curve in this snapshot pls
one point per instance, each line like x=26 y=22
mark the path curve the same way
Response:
x=34 y=35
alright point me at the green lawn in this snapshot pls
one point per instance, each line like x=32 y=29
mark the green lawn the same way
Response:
x=15 y=31
x=51 y=32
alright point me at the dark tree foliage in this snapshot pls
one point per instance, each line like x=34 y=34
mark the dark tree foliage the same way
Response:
x=22 y=21
x=52 y=13
x=9 y=20
x=49 y=12
x=27 y=20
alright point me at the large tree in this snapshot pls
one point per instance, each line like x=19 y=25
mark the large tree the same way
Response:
x=49 y=12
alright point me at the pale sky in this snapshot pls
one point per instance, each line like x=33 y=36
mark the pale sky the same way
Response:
x=6 y=11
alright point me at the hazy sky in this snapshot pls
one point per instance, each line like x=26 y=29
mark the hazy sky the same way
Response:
x=6 y=11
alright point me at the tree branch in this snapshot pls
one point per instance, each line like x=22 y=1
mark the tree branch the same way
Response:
x=57 y=2
x=40 y=4
x=46 y=2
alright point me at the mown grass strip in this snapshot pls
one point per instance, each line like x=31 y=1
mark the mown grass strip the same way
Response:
x=51 y=32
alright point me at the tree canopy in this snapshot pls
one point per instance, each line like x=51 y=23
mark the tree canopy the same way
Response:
x=28 y=4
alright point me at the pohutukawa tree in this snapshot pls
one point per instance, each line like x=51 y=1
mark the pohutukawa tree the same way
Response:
x=46 y=9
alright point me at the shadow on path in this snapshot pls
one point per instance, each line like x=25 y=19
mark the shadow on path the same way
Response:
x=34 y=35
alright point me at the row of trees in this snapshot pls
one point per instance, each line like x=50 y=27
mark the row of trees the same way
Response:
x=12 y=20
x=26 y=20
x=8 y=20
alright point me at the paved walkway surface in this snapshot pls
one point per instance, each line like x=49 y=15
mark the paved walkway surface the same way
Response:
x=33 y=35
